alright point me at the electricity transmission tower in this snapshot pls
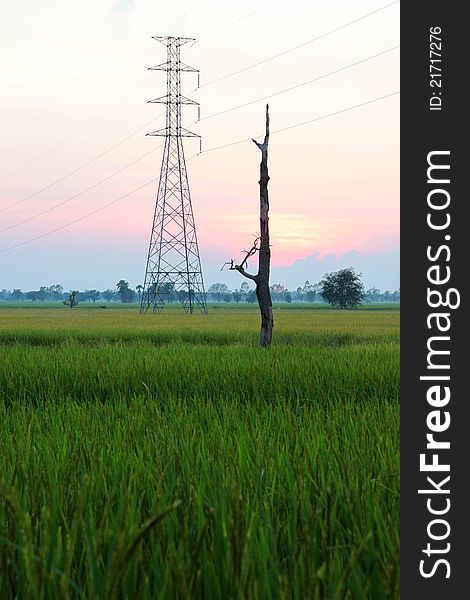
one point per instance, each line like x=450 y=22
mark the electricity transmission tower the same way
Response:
x=173 y=262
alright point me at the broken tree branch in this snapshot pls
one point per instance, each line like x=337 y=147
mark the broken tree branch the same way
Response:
x=241 y=270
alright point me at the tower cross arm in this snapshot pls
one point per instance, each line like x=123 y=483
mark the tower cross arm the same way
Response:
x=163 y=67
x=188 y=69
x=165 y=39
x=186 y=133
x=185 y=100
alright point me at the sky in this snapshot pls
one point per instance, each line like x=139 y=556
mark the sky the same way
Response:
x=75 y=85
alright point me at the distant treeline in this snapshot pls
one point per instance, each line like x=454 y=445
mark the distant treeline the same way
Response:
x=310 y=292
x=217 y=292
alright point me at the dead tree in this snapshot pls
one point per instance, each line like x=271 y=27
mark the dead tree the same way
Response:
x=261 y=245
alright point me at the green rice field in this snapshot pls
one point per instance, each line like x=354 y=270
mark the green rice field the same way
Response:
x=167 y=456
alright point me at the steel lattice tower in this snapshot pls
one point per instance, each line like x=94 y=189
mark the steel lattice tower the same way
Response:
x=173 y=262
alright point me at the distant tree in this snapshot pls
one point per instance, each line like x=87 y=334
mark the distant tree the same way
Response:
x=139 y=289
x=309 y=292
x=42 y=293
x=373 y=295
x=311 y=296
x=287 y=297
x=251 y=297
x=125 y=293
x=72 y=299
x=342 y=289
x=236 y=295
x=17 y=294
x=88 y=296
x=32 y=295
x=277 y=291
x=168 y=292
x=217 y=290
x=108 y=295
x=228 y=297
x=244 y=289
x=122 y=286
x=55 y=292
x=150 y=293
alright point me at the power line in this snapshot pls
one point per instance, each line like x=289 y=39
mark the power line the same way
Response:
x=91 y=187
x=50 y=185
x=224 y=27
x=91 y=161
x=107 y=178
x=319 y=37
x=113 y=106
x=93 y=212
x=203 y=118
x=337 y=112
x=209 y=150
x=47 y=233
x=215 y=114
x=289 y=89
x=75 y=133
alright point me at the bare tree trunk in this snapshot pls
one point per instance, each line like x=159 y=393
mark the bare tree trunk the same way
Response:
x=262 y=283
x=264 y=260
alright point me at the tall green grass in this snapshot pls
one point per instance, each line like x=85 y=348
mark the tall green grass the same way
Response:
x=168 y=457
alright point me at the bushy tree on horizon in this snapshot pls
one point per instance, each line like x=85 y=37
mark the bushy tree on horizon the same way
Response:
x=125 y=293
x=342 y=289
